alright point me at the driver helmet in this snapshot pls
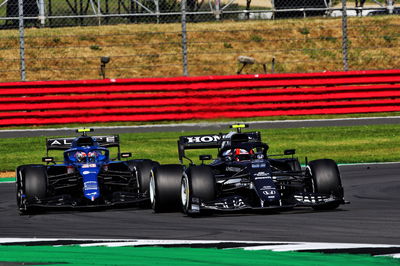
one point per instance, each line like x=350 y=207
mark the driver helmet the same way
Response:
x=238 y=154
x=241 y=152
x=243 y=155
x=92 y=155
x=80 y=156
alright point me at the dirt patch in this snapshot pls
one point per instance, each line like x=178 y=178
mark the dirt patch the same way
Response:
x=7 y=174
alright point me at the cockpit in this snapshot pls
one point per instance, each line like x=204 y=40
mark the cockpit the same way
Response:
x=89 y=157
x=244 y=152
x=240 y=147
x=86 y=156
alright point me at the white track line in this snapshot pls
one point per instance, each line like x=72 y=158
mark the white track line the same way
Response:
x=202 y=125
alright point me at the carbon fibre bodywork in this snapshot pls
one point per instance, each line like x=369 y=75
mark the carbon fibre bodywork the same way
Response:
x=254 y=180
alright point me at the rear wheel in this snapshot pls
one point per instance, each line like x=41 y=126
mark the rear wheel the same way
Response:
x=197 y=182
x=31 y=182
x=165 y=183
x=143 y=169
x=325 y=179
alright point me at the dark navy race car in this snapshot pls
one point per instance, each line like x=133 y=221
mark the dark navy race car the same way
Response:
x=87 y=177
x=244 y=176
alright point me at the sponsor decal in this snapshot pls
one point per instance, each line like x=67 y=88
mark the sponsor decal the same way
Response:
x=90 y=185
x=265 y=188
x=269 y=192
x=233 y=169
x=262 y=174
x=91 y=165
x=258 y=165
x=56 y=142
x=203 y=139
x=59 y=142
x=88 y=172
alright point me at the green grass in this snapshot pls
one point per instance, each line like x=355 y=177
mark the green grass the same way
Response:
x=356 y=144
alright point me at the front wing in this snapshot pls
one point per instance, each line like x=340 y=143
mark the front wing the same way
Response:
x=238 y=203
x=120 y=199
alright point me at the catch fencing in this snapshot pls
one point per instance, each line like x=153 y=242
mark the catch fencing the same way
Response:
x=62 y=13
x=162 y=38
x=206 y=97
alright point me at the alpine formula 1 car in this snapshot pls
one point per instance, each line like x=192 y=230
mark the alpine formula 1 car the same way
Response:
x=87 y=177
x=244 y=176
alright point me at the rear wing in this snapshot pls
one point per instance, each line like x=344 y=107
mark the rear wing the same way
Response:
x=210 y=141
x=65 y=143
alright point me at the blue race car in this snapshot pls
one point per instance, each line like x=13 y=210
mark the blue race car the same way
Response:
x=88 y=177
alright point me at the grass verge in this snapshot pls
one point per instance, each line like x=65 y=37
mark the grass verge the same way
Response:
x=353 y=144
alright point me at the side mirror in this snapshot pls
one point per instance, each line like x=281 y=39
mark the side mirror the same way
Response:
x=48 y=159
x=205 y=157
x=289 y=152
x=126 y=155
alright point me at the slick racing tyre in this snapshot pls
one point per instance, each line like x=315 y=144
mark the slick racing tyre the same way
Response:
x=143 y=168
x=325 y=179
x=197 y=182
x=165 y=184
x=31 y=182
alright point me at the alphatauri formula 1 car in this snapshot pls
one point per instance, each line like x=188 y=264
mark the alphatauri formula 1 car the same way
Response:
x=244 y=176
x=87 y=177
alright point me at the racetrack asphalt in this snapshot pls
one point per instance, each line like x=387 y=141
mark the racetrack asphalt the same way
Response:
x=15 y=133
x=372 y=217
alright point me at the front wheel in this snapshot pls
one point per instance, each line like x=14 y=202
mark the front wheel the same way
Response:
x=198 y=183
x=165 y=183
x=325 y=179
x=31 y=184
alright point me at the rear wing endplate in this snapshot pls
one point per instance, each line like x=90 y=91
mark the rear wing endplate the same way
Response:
x=198 y=142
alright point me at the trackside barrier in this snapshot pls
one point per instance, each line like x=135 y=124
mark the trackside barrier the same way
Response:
x=207 y=97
